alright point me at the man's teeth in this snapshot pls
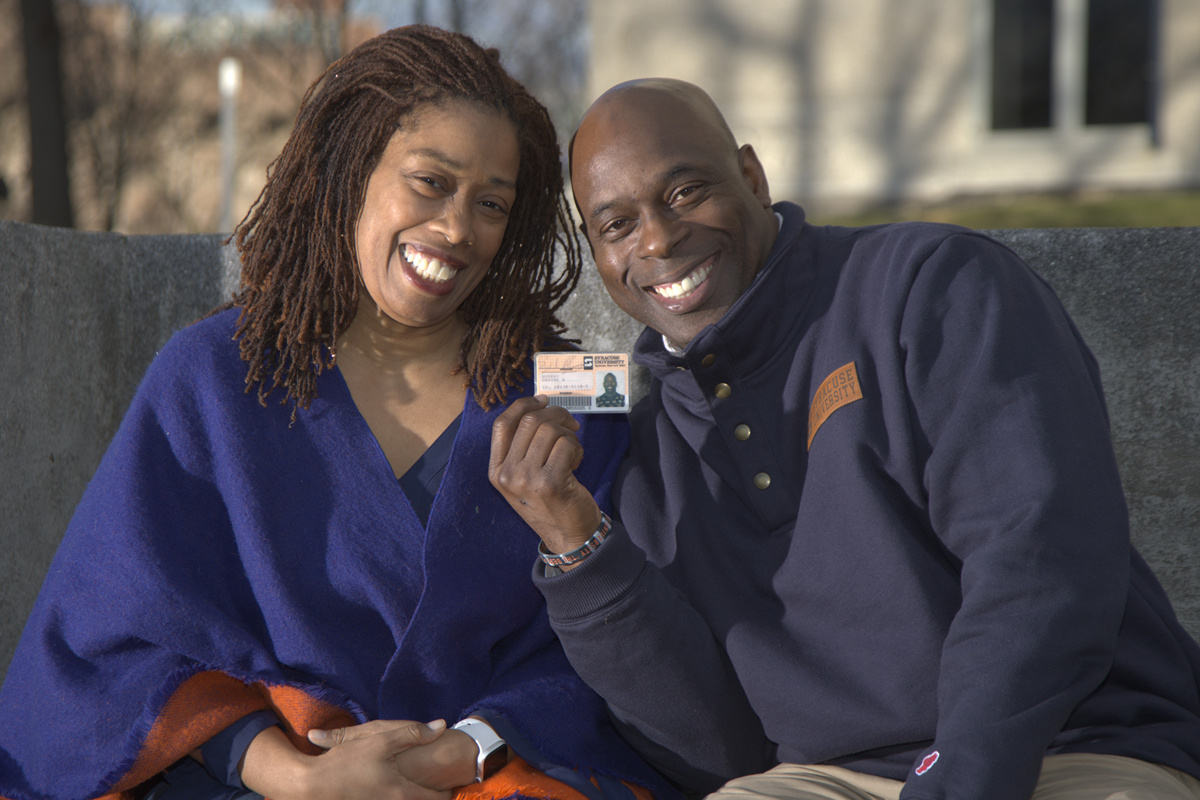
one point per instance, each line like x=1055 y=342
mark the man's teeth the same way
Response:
x=431 y=269
x=685 y=286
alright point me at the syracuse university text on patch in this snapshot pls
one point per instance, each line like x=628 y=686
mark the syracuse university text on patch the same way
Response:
x=840 y=388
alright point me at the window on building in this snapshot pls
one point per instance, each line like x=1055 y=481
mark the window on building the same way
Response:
x=1022 y=63
x=1116 y=84
x=1120 y=61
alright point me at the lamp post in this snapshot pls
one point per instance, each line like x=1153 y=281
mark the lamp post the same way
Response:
x=229 y=81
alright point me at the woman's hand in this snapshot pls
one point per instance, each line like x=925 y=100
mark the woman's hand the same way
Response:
x=534 y=456
x=447 y=762
x=361 y=768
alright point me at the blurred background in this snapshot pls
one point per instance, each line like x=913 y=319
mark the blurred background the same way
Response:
x=161 y=116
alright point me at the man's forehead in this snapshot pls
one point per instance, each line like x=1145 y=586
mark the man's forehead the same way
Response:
x=638 y=138
x=615 y=174
x=621 y=153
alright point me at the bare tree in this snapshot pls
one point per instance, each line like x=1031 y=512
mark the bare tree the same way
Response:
x=51 y=187
x=141 y=97
x=120 y=91
x=543 y=44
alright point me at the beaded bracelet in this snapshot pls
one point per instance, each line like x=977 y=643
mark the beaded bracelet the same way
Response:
x=581 y=552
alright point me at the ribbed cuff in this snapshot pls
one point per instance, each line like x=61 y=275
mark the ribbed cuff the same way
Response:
x=602 y=579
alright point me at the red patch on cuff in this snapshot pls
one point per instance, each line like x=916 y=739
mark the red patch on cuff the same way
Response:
x=927 y=762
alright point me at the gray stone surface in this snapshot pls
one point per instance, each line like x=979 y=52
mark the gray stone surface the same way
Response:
x=84 y=313
x=1135 y=296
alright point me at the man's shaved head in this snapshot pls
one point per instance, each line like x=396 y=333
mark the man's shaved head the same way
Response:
x=678 y=217
x=653 y=93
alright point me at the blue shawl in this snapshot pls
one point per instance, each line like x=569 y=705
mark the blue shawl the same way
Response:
x=226 y=558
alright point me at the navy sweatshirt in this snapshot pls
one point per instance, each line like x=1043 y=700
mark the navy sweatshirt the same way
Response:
x=872 y=518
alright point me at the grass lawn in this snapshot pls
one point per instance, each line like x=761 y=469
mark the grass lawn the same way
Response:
x=1082 y=210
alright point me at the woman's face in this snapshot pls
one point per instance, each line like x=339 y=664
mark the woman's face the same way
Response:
x=435 y=211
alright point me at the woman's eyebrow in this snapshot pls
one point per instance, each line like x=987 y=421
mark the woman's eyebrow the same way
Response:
x=450 y=163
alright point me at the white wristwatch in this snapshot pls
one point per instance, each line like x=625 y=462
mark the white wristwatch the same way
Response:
x=493 y=751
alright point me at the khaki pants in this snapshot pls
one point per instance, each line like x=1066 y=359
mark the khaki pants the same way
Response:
x=1069 y=776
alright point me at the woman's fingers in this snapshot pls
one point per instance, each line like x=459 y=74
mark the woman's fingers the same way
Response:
x=413 y=733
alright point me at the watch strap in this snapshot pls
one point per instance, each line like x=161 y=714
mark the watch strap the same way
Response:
x=493 y=751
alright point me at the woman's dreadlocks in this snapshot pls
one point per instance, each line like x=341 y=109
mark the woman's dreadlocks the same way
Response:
x=299 y=289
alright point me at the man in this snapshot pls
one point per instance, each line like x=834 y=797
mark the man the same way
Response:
x=611 y=398
x=871 y=525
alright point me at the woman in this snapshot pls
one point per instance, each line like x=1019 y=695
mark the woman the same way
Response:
x=274 y=546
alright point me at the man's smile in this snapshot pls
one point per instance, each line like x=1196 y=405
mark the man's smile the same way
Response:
x=689 y=284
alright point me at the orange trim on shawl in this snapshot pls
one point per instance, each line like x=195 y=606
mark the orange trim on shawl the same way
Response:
x=208 y=703
x=518 y=778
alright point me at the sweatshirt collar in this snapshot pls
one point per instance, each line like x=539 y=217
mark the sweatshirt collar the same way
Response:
x=758 y=321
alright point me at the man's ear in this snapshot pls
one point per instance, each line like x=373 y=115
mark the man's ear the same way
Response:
x=754 y=174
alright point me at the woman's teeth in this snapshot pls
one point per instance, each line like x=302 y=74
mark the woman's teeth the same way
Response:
x=685 y=286
x=431 y=269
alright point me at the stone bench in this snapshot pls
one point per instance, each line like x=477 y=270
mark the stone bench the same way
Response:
x=84 y=313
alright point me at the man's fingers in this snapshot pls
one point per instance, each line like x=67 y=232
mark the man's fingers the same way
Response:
x=549 y=437
x=401 y=730
x=563 y=454
x=505 y=426
x=534 y=424
x=565 y=457
x=526 y=430
x=533 y=474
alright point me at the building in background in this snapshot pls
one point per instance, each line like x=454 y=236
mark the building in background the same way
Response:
x=851 y=103
x=142 y=106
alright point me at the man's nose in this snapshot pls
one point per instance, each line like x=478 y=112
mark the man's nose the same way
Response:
x=659 y=235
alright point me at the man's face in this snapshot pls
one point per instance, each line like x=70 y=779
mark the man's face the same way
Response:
x=678 y=219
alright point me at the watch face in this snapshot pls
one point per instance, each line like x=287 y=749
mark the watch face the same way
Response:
x=495 y=761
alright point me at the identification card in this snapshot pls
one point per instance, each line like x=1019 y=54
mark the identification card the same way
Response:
x=583 y=382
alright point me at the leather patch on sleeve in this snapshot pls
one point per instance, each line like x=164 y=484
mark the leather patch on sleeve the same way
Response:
x=840 y=388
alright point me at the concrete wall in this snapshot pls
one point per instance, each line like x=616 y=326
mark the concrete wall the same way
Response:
x=82 y=316
x=84 y=313
x=857 y=101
